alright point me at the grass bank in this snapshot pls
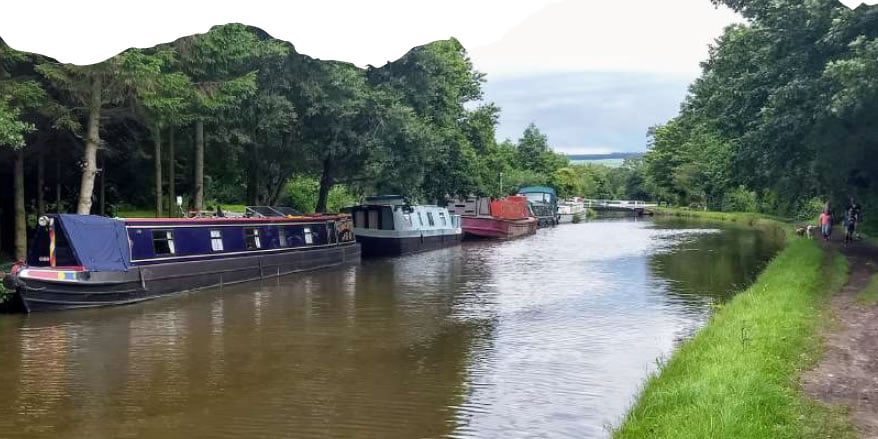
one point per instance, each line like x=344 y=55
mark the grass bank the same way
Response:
x=869 y=295
x=749 y=219
x=738 y=376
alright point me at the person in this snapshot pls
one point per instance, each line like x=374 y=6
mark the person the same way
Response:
x=850 y=223
x=825 y=224
x=856 y=212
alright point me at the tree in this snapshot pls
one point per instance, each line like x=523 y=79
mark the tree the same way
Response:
x=533 y=150
x=782 y=112
x=338 y=127
x=219 y=65
x=437 y=80
x=114 y=82
x=18 y=95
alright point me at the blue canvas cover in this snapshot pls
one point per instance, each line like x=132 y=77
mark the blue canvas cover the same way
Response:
x=99 y=243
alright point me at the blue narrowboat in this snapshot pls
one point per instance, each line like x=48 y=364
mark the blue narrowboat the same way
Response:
x=78 y=261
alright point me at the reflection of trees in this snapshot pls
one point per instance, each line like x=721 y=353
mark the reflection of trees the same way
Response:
x=714 y=265
x=35 y=376
x=345 y=352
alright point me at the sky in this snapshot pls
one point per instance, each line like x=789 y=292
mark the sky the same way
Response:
x=592 y=74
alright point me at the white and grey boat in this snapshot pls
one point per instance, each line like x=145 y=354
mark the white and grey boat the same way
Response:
x=388 y=225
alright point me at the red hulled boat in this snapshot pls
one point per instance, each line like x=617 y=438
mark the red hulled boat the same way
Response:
x=502 y=218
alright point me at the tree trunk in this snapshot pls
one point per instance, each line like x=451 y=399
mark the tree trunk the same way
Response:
x=277 y=191
x=252 y=177
x=157 y=155
x=172 y=169
x=20 y=218
x=90 y=169
x=102 y=199
x=199 y=165
x=41 y=184
x=325 y=185
x=57 y=182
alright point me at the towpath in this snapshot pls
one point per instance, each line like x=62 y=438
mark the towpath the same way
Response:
x=847 y=373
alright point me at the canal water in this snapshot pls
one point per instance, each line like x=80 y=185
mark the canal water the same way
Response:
x=548 y=336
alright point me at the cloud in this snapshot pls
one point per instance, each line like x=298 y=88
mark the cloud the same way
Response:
x=853 y=4
x=636 y=35
x=588 y=112
x=361 y=32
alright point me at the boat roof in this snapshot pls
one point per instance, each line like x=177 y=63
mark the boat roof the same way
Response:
x=536 y=190
x=271 y=211
x=242 y=220
x=385 y=200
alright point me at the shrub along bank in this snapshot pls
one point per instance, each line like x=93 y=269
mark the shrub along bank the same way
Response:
x=738 y=376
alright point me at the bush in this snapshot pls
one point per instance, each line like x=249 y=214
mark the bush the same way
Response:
x=809 y=210
x=740 y=200
x=303 y=193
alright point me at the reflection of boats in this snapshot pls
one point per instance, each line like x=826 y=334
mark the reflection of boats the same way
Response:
x=568 y=210
x=543 y=202
x=81 y=261
x=501 y=218
x=388 y=225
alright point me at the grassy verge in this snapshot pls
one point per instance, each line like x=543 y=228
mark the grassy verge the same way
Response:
x=750 y=219
x=869 y=295
x=738 y=376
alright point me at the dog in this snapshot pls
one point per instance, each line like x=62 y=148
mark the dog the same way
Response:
x=806 y=231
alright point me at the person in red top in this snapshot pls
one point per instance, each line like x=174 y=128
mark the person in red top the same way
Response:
x=825 y=224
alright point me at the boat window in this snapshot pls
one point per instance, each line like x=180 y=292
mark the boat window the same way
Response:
x=442 y=217
x=430 y=219
x=251 y=239
x=408 y=220
x=309 y=237
x=216 y=240
x=372 y=219
x=163 y=242
x=420 y=219
x=332 y=231
x=387 y=218
x=282 y=237
x=359 y=218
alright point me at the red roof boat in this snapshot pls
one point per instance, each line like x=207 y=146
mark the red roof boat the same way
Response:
x=501 y=218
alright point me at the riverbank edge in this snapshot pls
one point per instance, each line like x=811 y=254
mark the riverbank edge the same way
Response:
x=738 y=376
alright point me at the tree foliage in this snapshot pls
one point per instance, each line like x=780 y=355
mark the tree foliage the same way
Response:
x=255 y=122
x=783 y=110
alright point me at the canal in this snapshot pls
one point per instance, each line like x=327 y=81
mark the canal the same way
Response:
x=548 y=336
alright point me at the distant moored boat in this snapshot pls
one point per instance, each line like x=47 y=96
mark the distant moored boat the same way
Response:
x=387 y=225
x=543 y=203
x=501 y=218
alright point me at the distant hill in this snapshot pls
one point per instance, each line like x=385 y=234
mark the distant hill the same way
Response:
x=610 y=156
x=612 y=160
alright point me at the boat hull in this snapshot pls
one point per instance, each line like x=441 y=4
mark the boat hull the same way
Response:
x=380 y=246
x=146 y=282
x=497 y=228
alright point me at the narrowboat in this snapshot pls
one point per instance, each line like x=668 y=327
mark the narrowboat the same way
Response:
x=388 y=225
x=79 y=261
x=571 y=211
x=544 y=204
x=502 y=218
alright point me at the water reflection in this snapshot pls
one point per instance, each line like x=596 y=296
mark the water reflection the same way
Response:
x=549 y=336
